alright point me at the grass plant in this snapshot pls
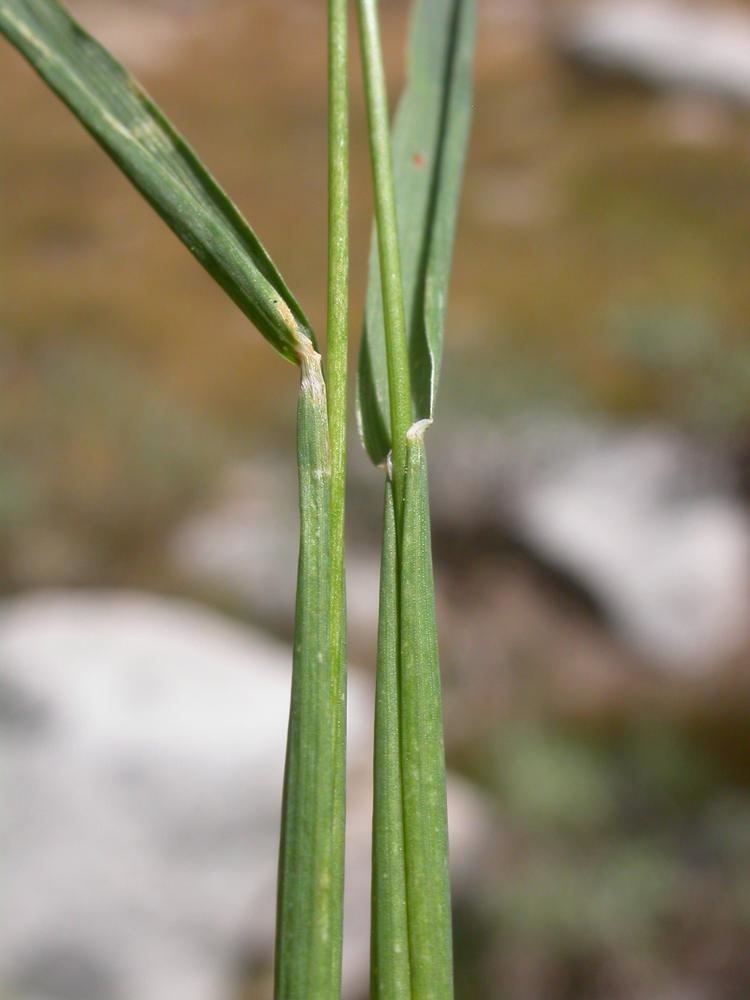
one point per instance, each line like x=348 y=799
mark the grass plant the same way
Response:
x=416 y=170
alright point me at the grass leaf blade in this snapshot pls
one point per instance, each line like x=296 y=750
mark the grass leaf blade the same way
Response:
x=389 y=950
x=429 y=140
x=158 y=161
x=422 y=752
x=310 y=887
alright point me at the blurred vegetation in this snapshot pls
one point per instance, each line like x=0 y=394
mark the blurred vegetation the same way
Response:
x=95 y=458
x=623 y=850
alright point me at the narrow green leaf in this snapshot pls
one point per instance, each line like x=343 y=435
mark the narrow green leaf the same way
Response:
x=310 y=889
x=158 y=161
x=430 y=133
x=422 y=753
x=389 y=950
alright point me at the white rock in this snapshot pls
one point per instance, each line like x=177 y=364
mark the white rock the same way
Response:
x=670 y=565
x=666 y=43
x=141 y=756
x=643 y=518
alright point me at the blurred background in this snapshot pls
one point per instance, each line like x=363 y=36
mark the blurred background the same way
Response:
x=590 y=474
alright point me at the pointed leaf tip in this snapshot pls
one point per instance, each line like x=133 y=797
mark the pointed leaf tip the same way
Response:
x=429 y=139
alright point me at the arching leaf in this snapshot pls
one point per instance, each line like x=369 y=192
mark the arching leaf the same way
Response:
x=151 y=153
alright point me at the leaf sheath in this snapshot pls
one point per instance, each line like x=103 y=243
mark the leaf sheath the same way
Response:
x=422 y=753
x=310 y=888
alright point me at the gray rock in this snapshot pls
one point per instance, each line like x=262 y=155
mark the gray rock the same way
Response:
x=665 y=43
x=644 y=519
x=141 y=756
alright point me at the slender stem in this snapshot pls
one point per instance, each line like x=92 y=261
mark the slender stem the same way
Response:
x=388 y=245
x=390 y=976
x=310 y=910
x=338 y=302
x=336 y=379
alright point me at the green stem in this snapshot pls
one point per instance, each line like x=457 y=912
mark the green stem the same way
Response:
x=338 y=311
x=338 y=256
x=390 y=978
x=311 y=866
x=397 y=352
x=336 y=386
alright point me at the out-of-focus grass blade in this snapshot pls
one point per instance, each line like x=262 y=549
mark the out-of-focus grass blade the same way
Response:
x=158 y=161
x=429 y=143
x=422 y=753
x=389 y=949
x=310 y=889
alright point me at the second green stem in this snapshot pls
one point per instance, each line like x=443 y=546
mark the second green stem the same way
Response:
x=397 y=351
